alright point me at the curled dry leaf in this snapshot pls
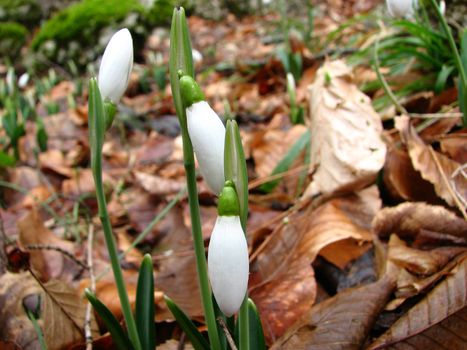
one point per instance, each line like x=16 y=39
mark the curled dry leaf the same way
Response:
x=433 y=166
x=158 y=185
x=294 y=245
x=15 y=327
x=49 y=263
x=403 y=181
x=410 y=220
x=341 y=322
x=446 y=299
x=346 y=143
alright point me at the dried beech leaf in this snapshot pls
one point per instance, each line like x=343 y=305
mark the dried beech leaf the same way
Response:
x=449 y=334
x=48 y=263
x=294 y=245
x=447 y=298
x=158 y=185
x=346 y=143
x=341 y=322
x=433 y=166
x=403 y=181
x=63 y=315
x=409 y=219
x=15 y=326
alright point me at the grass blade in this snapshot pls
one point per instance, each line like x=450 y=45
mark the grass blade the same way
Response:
x=145 y=305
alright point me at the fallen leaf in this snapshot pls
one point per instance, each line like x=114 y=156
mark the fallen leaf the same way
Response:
x=346 y=143
x=341 y=322
x=294 y=245
x=158 y=185
x=403 y=181
x=446 y=299
x=15 y=326
x=455 y=146
x=48 y=263
x=64 y=315
x=433 y=166
x=409 y=220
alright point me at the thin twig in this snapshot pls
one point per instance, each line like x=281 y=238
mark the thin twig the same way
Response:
x=231 y=342
x=87 y=320
x=57 y=249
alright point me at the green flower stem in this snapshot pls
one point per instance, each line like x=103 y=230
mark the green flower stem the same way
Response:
x=181 y=58
x=455 y=51
x=97 y=131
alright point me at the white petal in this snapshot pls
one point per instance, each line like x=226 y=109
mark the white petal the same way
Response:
x=401 y=8
x=116 y=66
x=207 y=134
x=228 y=264
x=23 y=80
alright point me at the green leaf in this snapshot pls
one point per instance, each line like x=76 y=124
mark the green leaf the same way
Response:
x=287 y=161
x=181 y=58
x=119 y=336
x=462 y=90
x=257 y=341
x=145 y=305
x=96 y=125
x=235 y=167
x=41 y=135
x=196 y=338
x=6 y=160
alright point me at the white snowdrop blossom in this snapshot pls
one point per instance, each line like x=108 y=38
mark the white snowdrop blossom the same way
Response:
x=228 y=264
x=401 y=8
x=23 y=80
x=207 y=134
x=116 y=65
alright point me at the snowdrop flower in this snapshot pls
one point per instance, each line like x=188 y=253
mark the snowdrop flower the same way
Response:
x=207 y=134
x=116 y=65
x=442 y=7
x=228 y=263
x=23 y=80
x=401 y=8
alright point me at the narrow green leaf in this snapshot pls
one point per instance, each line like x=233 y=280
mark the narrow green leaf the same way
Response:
x=119 y=336
x=218 y=312
x=462 y=89
x=96 y=125
x=41 y=135
x=145 y=305
x=181 y=58
x=287 y=161
x=6 y=160
x=442 y=78
x=235 y=166
x=196 y=338
x=257 y=341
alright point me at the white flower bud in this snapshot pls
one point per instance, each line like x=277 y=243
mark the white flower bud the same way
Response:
x=228 y=264
x=23 y=80
x=401 y=8
x=207 y=134
x=116 y=65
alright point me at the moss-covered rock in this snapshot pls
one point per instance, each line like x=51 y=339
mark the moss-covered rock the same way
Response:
x=80 y=32
x=12 y=38
x=160 y=12
x=26 y=12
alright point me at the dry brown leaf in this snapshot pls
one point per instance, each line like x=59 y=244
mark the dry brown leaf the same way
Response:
x=15 y=326
x=433 y=166
x=283 y=301
x=447 y=298
x=346 y=143
x=455 y=146
x=409 y=220
x=341 y=322
x=158 y=185
x=64 y=315
x=294 y=245
x=403 y=181
x=48 y=263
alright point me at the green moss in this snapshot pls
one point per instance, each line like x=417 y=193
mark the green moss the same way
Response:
x=160 y=12
x=12 y=38
x=83 y=21
x=27 y=12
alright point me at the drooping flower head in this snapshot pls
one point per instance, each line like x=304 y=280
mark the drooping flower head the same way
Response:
x=228 y=263
x=402 y=8
x=207 y=133
x=116 y=65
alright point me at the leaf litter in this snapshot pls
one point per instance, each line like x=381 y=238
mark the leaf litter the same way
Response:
x=374 y=196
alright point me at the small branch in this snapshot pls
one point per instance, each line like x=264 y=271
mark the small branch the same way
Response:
x=57 y=249
x=87 y=320
x=231 y=342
